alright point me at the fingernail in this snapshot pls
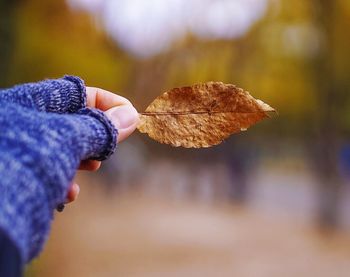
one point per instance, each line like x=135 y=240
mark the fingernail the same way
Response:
x=123 y=116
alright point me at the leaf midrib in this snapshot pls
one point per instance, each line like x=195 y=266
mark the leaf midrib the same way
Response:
x=197 y=112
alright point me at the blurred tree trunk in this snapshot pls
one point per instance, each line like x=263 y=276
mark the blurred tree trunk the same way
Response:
x=7 y=38
x=326 y=144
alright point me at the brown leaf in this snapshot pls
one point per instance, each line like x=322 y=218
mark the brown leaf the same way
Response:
x=202 y=115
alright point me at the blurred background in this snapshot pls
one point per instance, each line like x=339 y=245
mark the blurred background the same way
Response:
x=273 y=201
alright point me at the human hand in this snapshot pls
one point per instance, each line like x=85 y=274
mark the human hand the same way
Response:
x=46 y=130
x=121 y=113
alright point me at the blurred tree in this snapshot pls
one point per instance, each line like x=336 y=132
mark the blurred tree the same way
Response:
x=52 y=40
x=7 y=38
x=332 y=94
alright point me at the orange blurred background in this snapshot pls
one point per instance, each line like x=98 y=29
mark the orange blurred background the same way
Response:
x=273 y=201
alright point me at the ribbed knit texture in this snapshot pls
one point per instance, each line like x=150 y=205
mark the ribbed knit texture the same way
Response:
x=40 y=152
x=65 y=95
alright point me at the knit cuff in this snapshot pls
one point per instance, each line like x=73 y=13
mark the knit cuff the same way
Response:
x=76 y=94
x=65 y=95
x=106 y=138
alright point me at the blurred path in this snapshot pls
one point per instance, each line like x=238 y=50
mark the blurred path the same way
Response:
x=133 y=236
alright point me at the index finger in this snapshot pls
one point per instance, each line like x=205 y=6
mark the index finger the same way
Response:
x=103 y=99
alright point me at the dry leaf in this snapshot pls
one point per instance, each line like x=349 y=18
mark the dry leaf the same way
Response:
x=202 y=115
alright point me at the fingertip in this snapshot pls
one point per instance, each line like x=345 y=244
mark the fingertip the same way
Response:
x=125 y=133
x=125 y=118
x=73 y=193
x=90 y=165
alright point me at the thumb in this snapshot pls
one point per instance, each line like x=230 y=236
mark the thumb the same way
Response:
x=125 y=118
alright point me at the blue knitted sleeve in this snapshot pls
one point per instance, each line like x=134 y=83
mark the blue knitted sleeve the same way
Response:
x=65 y=95
x=39 y=154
